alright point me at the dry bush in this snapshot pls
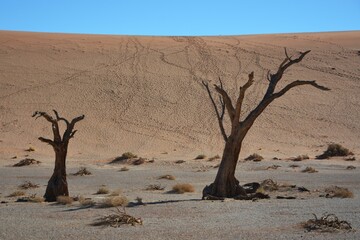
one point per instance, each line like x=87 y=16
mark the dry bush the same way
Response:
x=294 y=165
x=115 y=201
x=216 y=157
x=183 y=188
x=180 y=161
x=116 y=193
x=124 y=169
x=338 y=192
x=26 y=162
x=300 y=158
x=103 y=190
x=273 y=167
x=86 y=202
x=139 y=161
x=268 y=185
x=128 y=155
x=201 y=156
x=309 y=170
x=351 y=167
x=118 y=219
x=82 y=172
x=28 y=185
x=17 y=194
x=64 y=200
x=254 y=157
x=334 y=150
x=168 y=177
x=30 y=149
x=327 y=223
x=32 y=198
x=154 y=187
x=350 y=159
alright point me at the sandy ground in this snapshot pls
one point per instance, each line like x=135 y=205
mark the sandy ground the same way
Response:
x=144 y=95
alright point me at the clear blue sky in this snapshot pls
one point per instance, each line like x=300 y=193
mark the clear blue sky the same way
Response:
x=179 y=17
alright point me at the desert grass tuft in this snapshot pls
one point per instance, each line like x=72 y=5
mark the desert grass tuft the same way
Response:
x=216 y=157
x=338 y=192
x=16 y=194
x=309 y=170
x=117 y=219
x=30 y=149
x=115 y=193
x=128 y=155
x=115 y=202
x=26 y=162
x=28 y=185
x=82 y=172
x=86 y=202
x=155 y=187
x=254 y=157
x=268 y=185
x=168 y=177
x=103 y=190
x=327 y=223
x=32 y=198
x=124 y=169
x=64 y=200
x=335 y=150
x=183 y=188
x=300 y=158
x=201 y=156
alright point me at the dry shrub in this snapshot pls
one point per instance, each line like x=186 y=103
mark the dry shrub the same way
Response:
x=183 y=188
x=335 y=150
x=32 y=198
x=351 y=167
x=254 y=157
x=115 y=201
x=216 y=157
x=327 y=223
x=17 y=194
x=180 y=161
x=86 y=202
x=64 y=200
x=117 y=219
x=103 y=190
x=268 y=185
x=300 y=158
x=116 y=193
x=26 y=162
x=28 y=185
x=30 y=149
x=154 y=187
x=82 y=172
x=139 y=161
x=350 y=159
x=124 y=169
x=339 y=192
x=168 y=177
x=273 y=167
x=294 y=165
x=309 y=170
x=124 y=157
x=201 y=156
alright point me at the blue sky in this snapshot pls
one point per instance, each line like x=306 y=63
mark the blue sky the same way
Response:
x=179 y=17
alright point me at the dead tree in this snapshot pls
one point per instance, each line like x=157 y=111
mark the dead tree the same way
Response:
x=225 y=184
x=57 y=185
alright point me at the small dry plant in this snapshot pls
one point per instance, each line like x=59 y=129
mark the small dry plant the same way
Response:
x=201 y=156
x=26 y=162
x=309 y=170
x=82 y=172
x=338 y=192
x=139 y=161
x=103 y=190
x=116 y=193
x=268 y=185
x=17 y=194
x=64 y=200
x=28 y=185
x=183 y=188
x=335 y=150
x=32 y=198
x=300 y=158
x=115 y=202
x=216 y=157
x=118 y=218
x=86 y=202
x=30 y=149
x=168 y=177
x=254 y=157
x=327 y=223
x=155 y=187
x=124 y=169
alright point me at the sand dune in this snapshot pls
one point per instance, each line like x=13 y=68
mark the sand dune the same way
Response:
x=144 y=94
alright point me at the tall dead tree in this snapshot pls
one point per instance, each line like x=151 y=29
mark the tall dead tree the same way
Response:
x=57 y=185
x=225 y=184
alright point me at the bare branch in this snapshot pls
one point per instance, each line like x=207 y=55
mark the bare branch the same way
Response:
x=299 y=83
x=69 y=131
x=240 y=99
x=61 y=118
x=287 y=56
x=48 y=141
x=220 y=116
x=227 y=100
x=38 y=114
x=73 y=133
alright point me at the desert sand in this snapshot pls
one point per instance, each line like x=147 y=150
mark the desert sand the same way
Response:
x=144 y=95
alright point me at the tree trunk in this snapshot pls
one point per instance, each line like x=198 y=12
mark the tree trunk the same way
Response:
x=225 y=184
x=57 y=185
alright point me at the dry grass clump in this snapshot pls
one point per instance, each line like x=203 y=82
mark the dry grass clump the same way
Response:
x=28 y=185
x=273 y=167
x=64 y=200
x=117 y=219
x=167 y=176
x=128 y=155
x=201 y=156
x=338 y=192
x=180 y=161
x=327 y=223
x=351 y=167
x=300 y=158
x=32 y=198
x=334 y=150
x=268 y=185
x=115 y=201
x=103 y=190
x=82 y=172
x=86 y=202
x=309 y=170
x=139 y=161
x=183 y=188
x=350 y=159
x=26 y=162
x=116 y=193
x=155 y=187
x=30 y=149
x=17 y=194
x=254 y=157
x=294 y=165
x=124 y=169
x=216 y=157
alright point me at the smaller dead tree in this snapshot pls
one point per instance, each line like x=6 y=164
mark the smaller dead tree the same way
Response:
x=57 y=185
